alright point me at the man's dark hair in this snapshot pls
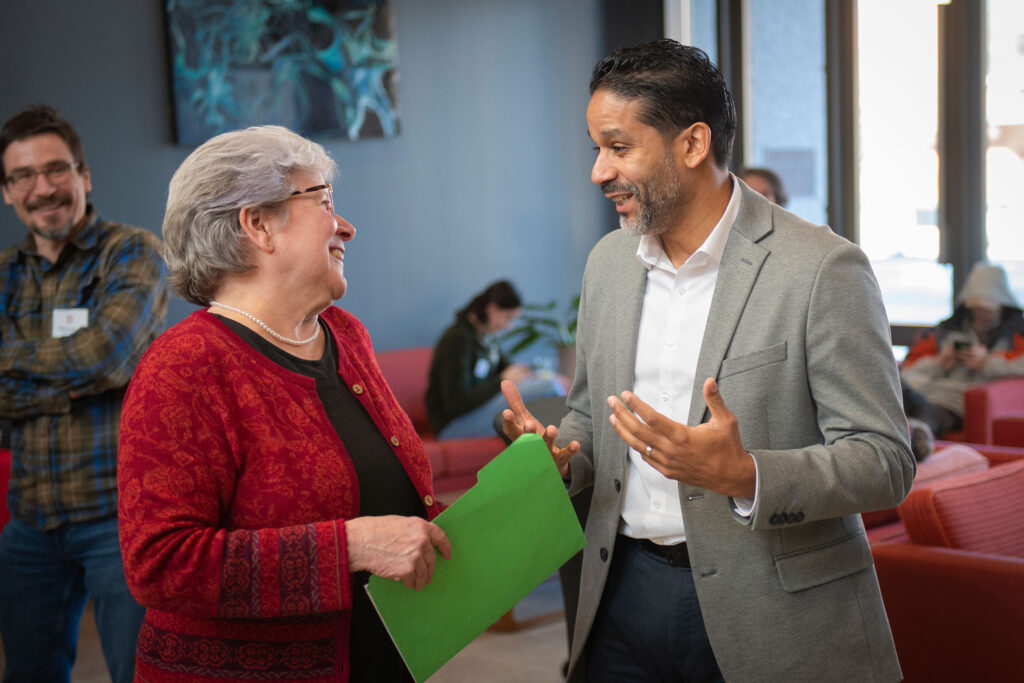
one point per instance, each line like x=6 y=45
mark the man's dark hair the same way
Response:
x=37 y=119
x=501 y=292
x=677 y=86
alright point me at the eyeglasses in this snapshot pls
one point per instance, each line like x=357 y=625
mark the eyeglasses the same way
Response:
x=326 y=203
x=57 y=173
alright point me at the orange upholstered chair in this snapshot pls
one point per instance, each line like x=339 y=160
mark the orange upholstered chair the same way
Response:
x=954 y=595
x=982 y=512
x=955 y=615
x=949 y=460
x=994 y=413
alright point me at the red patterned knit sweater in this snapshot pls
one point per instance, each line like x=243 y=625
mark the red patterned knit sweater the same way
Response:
x=234 y=489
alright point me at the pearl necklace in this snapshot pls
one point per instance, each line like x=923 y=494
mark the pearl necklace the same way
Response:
x=275 y=335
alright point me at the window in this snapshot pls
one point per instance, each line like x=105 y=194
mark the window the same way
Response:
x=784 y=122
x=693 y=22
x=1004 y=105
x=887 y=157
x=898 y=164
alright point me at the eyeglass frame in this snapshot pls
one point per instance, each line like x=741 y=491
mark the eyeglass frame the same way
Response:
x=297 y=194
x=29 y=179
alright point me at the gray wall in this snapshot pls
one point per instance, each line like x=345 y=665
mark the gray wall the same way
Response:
x=489 y=177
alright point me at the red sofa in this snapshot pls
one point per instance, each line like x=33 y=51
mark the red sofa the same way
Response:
x=950 y=566
x=993 y=414
x=455 y=462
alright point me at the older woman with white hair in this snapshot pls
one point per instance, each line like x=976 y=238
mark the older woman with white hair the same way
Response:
x=265 y=468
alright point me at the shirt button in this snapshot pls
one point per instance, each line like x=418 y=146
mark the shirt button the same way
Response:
x=664 y=396
x=604 y=554
x=670 y=343
x=657 y=505
x=428 y=500
x=681 y=290
x=357 y=389
x=394 y=441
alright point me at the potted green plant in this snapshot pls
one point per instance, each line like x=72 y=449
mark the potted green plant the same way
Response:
x=551 y=324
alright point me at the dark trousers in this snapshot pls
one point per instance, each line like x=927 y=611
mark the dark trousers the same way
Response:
x=649 y=626
x=45 y=579
x=939 y=419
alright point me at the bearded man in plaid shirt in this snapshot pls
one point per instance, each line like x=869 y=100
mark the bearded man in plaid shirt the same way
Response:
x=80 y=300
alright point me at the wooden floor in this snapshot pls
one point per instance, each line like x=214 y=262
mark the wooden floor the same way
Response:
x=533 y=655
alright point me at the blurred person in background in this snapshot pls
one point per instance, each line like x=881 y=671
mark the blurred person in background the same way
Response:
x=982 y=341
x=80 y=300
x=767 y=183
x=468 y=366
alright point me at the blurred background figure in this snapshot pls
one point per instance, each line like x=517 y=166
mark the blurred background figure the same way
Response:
x=82 y=298
x=767 y=183
x=982 y=341
x=464 y=391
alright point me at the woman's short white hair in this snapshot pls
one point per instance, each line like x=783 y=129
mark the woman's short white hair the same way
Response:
x=249 y=168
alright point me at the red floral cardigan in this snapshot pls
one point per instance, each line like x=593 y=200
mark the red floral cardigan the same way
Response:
x=234 y=489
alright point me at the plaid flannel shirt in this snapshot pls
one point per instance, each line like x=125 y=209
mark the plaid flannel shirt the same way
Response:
x=64 y=449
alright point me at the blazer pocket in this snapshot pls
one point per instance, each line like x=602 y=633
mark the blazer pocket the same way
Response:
x=816 y=566
x=749 y=361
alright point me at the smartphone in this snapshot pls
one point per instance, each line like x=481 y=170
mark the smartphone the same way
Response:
x=961 y=345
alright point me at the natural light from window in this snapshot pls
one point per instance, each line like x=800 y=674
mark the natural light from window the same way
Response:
x=898 y=169
x=1004 y=105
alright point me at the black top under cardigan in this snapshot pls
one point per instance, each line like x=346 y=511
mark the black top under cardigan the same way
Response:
x=465 y=373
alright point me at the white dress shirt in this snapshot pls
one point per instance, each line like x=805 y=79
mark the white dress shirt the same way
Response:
x=672 y=321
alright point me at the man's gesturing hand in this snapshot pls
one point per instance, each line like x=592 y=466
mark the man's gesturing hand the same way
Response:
x=516 y=420
x=710 y=455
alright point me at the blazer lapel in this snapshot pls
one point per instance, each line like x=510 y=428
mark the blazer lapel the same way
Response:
x=633 y=286
x=741 y=263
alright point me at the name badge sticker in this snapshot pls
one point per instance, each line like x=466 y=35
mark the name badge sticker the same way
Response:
x=483 y=366
x=67 y=321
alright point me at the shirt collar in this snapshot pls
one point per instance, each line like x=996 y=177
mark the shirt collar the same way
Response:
x=650 y=251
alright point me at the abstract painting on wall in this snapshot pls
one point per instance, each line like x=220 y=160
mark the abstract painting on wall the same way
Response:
x=324 y=68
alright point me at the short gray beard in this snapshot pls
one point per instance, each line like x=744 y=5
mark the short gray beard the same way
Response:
x=644 y=223
x=656 y=208
x=55 y=235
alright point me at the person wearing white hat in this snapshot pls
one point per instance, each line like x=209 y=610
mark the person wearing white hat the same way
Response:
x=982 y=341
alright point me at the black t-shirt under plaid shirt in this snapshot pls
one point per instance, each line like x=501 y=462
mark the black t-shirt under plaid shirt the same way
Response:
x=110 y=278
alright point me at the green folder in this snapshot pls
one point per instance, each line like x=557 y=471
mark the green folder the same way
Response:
x=508 y=534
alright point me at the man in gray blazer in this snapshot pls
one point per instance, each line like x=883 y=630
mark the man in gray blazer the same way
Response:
x=735 y=406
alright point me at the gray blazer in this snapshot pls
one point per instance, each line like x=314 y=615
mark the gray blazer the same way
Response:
x=799 y=342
